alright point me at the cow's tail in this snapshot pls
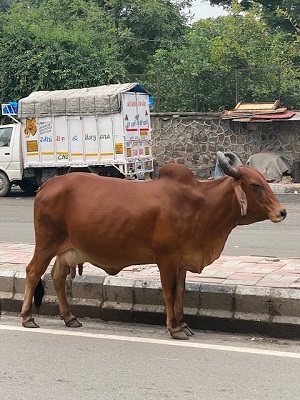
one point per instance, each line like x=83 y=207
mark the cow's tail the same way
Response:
x=39 y=294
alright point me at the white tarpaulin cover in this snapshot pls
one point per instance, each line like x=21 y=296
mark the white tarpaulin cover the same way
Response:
x=271 y=165
x=88 y=101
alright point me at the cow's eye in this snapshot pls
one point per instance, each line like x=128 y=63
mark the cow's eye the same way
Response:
x=256 y=186
x=258 y=189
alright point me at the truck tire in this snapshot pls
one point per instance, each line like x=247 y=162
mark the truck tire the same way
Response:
x=4 y=184
x=28 y=187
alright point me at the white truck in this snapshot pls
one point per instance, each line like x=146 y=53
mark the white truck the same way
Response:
x=104 y=130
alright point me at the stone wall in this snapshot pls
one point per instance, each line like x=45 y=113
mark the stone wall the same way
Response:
x=193 y=140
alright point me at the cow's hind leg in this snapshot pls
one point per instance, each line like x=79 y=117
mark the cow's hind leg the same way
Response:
x=180 y=289
x=34 y=271
x=168 y=276
x=59 y=274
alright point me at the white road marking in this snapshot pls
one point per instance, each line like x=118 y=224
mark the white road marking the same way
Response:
x=170 y=342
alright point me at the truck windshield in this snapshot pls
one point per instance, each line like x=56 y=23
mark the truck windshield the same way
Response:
x=5 y=136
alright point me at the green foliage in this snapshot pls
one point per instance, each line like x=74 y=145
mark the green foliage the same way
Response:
x=62 y=44
x=202 y=74
x=150 y=23
x=4 y=5
x=282 y=14
x=58 y=44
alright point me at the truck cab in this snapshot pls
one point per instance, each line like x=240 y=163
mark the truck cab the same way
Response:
x=10 y=157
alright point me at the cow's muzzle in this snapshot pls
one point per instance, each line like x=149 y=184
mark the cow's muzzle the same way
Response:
x=279 y=216
x=283 y=213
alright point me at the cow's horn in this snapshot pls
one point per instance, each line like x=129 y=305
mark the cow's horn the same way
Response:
x=226 y=167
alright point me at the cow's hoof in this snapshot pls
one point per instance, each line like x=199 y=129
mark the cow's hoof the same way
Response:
x=179 y=335
x=29 y=323
x=187 y=331
x=73 y=323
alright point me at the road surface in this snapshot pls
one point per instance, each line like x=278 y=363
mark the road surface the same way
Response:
x=121 y=361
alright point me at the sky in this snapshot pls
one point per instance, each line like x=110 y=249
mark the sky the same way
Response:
x=204 y=10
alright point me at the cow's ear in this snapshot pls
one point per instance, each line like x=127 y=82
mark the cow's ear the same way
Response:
x=241 y=197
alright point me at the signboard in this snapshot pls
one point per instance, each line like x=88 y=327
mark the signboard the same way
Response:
x=136 y=115
x=11 y=108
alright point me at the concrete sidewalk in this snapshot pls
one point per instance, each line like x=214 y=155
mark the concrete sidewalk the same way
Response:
x=236 y=294
x=289 y=187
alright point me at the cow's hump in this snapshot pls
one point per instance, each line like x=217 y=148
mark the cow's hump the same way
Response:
x=177 y=172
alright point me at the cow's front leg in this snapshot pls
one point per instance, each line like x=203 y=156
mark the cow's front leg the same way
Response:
x=59 y=274
x=168 y=276
x=180 y=289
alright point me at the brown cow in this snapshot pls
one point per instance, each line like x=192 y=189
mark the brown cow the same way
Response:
x=175 y=221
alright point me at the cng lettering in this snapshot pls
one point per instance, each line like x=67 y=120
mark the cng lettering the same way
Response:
x=62 y=156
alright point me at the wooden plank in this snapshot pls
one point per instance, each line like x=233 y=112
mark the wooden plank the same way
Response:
x=257 y=106
x=254 y=112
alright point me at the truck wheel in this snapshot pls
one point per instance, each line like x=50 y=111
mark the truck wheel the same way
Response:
x=28 y=187
x=4 y=184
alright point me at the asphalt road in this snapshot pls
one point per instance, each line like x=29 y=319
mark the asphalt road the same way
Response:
x=260 y=239
x=269 y=239
x=115 y=361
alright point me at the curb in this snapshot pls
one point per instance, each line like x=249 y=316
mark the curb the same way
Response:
x=285 y=188
x=230 y=308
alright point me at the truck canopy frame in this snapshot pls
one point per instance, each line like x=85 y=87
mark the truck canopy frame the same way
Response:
x=87 y=101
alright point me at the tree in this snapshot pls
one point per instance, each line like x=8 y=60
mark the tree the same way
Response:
x=282 y=14
x=76 y=47
x=61 y=44
x=150 y=23
x=202 y=69
x=4 y=5
x=81 y=42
